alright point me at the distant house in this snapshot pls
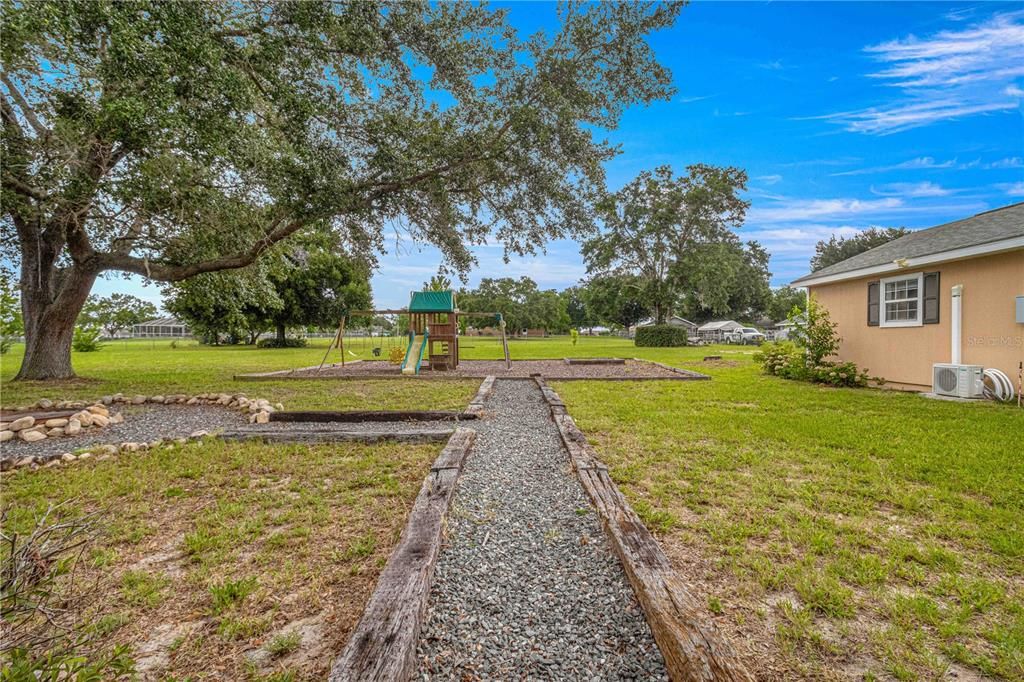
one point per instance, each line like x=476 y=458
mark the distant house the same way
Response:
x=162 y=327
x=783 y=330
x=897 y=305
x=673 y=320
x=714 y=332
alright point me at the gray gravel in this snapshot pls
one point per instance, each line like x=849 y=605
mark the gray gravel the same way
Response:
x=527 y=586
x=142 y=423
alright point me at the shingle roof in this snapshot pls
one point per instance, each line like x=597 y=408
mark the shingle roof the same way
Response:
x=991 y=226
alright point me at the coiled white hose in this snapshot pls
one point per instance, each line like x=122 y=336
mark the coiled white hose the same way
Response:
x=997 y=386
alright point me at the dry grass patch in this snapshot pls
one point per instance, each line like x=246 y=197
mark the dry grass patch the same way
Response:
x=231 y=560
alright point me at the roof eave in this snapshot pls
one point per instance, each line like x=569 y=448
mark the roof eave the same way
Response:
x=990 y=248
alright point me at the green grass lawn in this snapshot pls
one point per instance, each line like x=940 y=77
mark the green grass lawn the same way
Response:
x=211 y=551
x=860 y=533
x=158 y=367
x=835 y=533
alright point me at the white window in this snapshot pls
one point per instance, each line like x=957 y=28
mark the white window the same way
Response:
x=901 y=301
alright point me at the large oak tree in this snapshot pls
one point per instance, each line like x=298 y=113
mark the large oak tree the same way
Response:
x=171 y=139
x=658 y=220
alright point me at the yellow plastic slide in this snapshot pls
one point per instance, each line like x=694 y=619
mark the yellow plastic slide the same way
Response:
x=412 y=356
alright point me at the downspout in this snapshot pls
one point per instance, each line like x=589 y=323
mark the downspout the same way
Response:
x=955 y=324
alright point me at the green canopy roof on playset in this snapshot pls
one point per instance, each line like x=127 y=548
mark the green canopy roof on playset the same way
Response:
x=432 y=302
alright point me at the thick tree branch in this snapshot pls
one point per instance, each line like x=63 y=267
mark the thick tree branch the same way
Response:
x=26 y=108
x=16 y=185
x=166 y=272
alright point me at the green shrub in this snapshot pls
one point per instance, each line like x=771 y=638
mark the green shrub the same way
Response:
x=660 y=336
x=291 y=342
x=86 y=339
x=5 y=344
x=575 y=334
x=789 y=361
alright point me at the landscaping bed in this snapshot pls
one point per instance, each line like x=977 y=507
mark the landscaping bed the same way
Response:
x=229 y=560
x=142 y=424
x=552 y=369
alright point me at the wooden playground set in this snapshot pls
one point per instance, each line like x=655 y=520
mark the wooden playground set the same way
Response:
x=433 y=332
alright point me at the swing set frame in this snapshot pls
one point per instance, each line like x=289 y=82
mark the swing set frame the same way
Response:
x=339 y=336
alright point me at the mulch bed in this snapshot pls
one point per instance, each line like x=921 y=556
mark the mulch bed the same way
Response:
x=549 y=369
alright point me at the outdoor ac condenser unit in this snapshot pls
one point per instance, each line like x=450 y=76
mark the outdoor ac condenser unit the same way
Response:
x=962 y=381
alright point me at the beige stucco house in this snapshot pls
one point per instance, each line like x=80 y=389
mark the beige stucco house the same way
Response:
x=894 y=305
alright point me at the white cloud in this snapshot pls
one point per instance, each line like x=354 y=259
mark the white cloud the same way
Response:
x=949 y=75
x=1013 y=91
x=688 y=100
x=929 y=163
x=793 y=210
x=769 y=179
x=1011 y=162
x=911 y=189
x=1013 y=189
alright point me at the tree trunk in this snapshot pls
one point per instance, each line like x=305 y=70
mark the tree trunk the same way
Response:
x=51 y=299
x=280 y=335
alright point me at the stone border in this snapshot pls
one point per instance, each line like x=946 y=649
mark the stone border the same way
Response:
x=689 y=640
x=259 y=410
x=383 y=644
x=41 y=424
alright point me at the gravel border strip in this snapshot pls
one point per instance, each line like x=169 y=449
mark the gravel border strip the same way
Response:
x=383 y=644
x=688 y=638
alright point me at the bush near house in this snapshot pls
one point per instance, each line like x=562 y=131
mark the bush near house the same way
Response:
x=789 y=361
x=816 y=339
x=660 y=336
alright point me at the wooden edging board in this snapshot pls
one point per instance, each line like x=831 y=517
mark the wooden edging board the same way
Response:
x=276 y=374
x=595 y=361
x=370 y=416
x=383 y=644
x=689 y=641
x=476 y=405
x=337 y=436
x=689 y=374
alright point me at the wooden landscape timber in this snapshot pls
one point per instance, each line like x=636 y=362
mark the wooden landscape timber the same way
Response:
x=337 y=436
x=476 y=405
x=689 y=374
x=283 y=373
x=595 y=361
x=383 y=644
x=693 y=649
x=370 y=416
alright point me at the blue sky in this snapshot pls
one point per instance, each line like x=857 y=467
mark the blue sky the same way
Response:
x=845 y=115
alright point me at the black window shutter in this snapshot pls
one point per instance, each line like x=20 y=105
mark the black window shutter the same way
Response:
x=931 y=298
x=873 y=304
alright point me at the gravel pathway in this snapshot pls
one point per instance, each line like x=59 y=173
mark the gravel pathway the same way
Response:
x=142 y=423
x=527 y=586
